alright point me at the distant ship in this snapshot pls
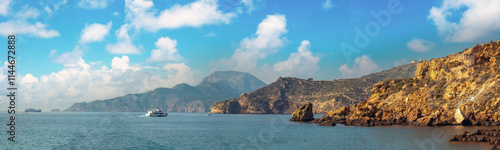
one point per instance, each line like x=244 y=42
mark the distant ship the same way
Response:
x=33 y=110
x=156 y=113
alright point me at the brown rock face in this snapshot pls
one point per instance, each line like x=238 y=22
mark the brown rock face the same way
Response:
x=303 y=114
x=460 y=89
x=287 y=94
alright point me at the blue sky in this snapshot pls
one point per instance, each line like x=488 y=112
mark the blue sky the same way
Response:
x=73 y=51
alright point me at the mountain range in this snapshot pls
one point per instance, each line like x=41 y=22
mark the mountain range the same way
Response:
x=218 y=86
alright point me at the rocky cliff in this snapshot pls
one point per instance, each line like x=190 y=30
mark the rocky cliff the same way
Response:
x=461 y=88
x=287 y=94
x=180 y=98
x=303 y=114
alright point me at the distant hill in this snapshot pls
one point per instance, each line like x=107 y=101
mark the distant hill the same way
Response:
x=243 y=82
x=287 y=94
x=181 y=98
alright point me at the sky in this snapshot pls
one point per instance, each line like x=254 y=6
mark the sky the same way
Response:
x=84 y=50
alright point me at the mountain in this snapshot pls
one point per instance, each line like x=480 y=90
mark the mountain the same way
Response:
x=460 y=89
x=287 y=94
x=243 y=82
x=181 y=98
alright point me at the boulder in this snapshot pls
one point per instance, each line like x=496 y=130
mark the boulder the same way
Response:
x=303 y=114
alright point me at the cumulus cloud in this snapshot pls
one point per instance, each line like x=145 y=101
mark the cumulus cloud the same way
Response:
x=68 y=57
x=56 y=5
x=4 y=7
x=179 y=72
x=363 y=66
x=420 y=45
x=267 y=40
x=300 y=64
x=327 y=4
x=480 y=19
x=142 y=15
x=166 y=50
x=81 y=81
x=94 y=4
x=124 y=43
x=27 y=13
x=94 y=32
x=21 y=25
x=122 y=64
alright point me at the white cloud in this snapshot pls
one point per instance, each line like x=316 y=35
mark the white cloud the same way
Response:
x=80 y=81
x=122 y=64
x=94 y=4
x=327 y=4
x=201 y=12
x=68 y=57
x=48 y=10
x=268 y=38
x=210 y=34
x=479 y=21
x=55 y=7
x=4 y=7
x=116 y=13
x=124 y=43
x=20 y=27
x=363 y=66
x=122 y=47
x=179 y=72
x=94 y=32
x=400 y=62
x=28 y=80
x=166 y=50
x=300 y=64
x=249 y=4
x=53 y=52
x=420 y=45
x=27 y=12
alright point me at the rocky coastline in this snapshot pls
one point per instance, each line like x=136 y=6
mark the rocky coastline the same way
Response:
x=460 y=89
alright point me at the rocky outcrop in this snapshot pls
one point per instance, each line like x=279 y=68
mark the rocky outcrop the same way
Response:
x=287 y=94
x=460 y=89
x=303 y=114
x=492 y=136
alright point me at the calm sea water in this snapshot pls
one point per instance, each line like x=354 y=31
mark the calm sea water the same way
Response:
x=67 y=130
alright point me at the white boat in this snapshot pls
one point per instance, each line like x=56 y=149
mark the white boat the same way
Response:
x=156 y=113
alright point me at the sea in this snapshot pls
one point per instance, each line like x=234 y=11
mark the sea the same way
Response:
x=132 y=130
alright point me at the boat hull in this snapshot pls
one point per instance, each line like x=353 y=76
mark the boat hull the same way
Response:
x=156 y=113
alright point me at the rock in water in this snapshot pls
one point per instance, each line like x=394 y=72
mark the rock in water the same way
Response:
x=304 y=113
